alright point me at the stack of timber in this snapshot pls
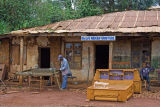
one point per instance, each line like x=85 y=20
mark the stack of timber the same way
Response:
x=114 y=84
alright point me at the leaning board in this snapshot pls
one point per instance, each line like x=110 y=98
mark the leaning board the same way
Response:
x=2 y=71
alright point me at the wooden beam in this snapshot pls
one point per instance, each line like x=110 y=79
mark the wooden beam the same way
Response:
x=21 y=58
x=110 y=54
x=21 y=53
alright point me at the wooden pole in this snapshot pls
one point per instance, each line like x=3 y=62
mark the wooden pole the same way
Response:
x=41 y=82
x=21 y=53
x=21 y=58
x=55 y=75
x=88 y=65
x=110 y=54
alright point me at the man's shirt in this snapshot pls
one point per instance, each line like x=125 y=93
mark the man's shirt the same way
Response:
x=145 y=71
x=65 y=67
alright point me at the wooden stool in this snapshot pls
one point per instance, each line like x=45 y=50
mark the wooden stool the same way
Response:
x=72 y=77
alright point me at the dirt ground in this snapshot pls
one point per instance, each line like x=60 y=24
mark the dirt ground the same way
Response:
x=75 y=96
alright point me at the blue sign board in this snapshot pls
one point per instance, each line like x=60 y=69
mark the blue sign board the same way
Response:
x=98 y=38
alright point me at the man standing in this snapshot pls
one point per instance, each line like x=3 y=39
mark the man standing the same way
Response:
x=65 y=71
x=144 y=73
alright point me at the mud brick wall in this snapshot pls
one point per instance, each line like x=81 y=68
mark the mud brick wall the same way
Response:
x=82 y=73
x=55 y=43
x=121 y=54
x=85 y=61
x=31 y=54
x=155 y=54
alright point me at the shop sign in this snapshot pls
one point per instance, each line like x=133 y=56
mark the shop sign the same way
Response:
x=98 y=38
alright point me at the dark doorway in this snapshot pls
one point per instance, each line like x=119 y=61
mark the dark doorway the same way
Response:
x=102 y=57
x=44 y=57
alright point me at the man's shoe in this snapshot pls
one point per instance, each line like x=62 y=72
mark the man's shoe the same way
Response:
x=149 y=89
x=62 y=89
x=48 y=84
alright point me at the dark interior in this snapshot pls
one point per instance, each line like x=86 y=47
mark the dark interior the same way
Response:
x=102 y=57
x=45 y=57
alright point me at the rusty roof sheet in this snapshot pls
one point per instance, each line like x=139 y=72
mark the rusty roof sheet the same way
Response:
x=126 y=21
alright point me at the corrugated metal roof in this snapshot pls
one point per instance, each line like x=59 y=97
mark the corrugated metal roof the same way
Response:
x=126 y=21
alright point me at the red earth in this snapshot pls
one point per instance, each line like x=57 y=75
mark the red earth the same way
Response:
x=74 y=97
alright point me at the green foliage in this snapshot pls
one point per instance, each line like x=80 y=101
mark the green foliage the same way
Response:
x=63 y=11
x=20 y=14
x=121 y=5
x=3 y=27
x=88 y=8
x=15 y=12
x=142 y=4
x=41 y=13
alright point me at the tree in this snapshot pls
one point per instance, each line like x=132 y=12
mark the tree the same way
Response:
x=63 y=9
x=14 y=12
x=121 y=5
x=18 y=14
x=88 y=8
x=41 y=13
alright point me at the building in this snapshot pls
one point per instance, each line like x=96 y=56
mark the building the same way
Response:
x=137 y=41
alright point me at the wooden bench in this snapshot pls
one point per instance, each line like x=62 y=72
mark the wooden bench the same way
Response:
x=122 y=83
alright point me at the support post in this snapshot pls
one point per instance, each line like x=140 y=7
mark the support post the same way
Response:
x=88 y=65
x=62 y=46
x=110 y=54
x=21 y=58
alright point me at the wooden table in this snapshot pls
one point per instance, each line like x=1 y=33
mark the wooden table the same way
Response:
x=39 y=72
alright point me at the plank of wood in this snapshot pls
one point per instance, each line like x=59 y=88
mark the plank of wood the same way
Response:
x=35 y=92
x=110 y=54
x=57 y=81
x=2 y=71
x=10 y=92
